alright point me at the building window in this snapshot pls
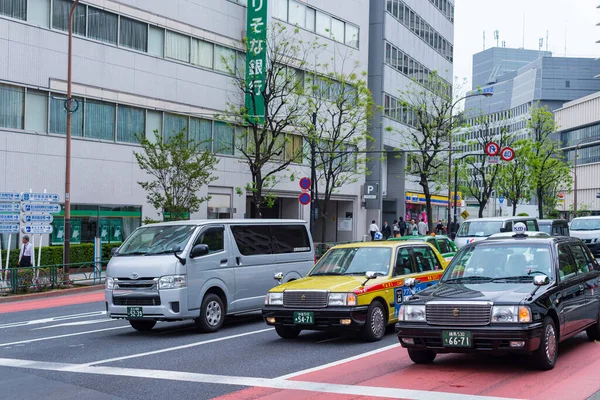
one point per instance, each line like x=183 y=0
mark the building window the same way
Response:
x=202 y=53
x=153 y=125
x=201 y=132
x=133 y=34
x=337 y=30
x=36 y=111
x=131 y=121
x=60 y=16
x=280 y=9
x=14 y=8
x=223 y=142
x=352 y=35
x=293 y=148
x=297 y=14
x=156 y=41
x=99 y=120
x=178 y=46
x=567 y=84
x=58 y=116
x=323 y=24
x=102 y=25
x=224 y=59
x=175 y=124
x=38 y=13
x=11 y=106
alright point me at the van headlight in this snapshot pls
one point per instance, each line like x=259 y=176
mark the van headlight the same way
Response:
x=410 y=313
x=109 y=284
x=274 y=299
x=171 y=282
x=511 y=314
x=342 y=299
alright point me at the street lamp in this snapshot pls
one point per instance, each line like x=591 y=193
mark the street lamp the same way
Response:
x=584 y=141
x=485 y=94
x=69 y=109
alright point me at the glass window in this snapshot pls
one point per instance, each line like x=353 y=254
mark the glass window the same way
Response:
x=479 y=228
x=290 y=239
x=444 y=246
x=99 y=120
x=352 y=35
x=581 y=259
x=130 y=122
x=223 y=141
x=177 y=47
x=337 y=30
x=311 y=16
x=60 y=16
x=156 y=41
x=36 y=111
x=175 y=124
x=213 y=237
x=293 y=148
x=280 y=8
x=388 y=5
x=11 y=106
x=14 y=8
x=102 y=25
x=133 y=34
x=531 y=226
x=297 y=14
x=404 y=263
x=201 y=132
x=388 y=53
x=566 y=265
x=38 y=13
x=224 y=59
x=323 y=24
x=252 y=240
x=202 y=53
x=156 y=239
x=153 y=125
x=354 y=261
x=58 y=116
x=394 y=59
x=240 y=63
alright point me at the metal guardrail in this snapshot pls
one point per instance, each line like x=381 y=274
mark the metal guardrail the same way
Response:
x=50 y=277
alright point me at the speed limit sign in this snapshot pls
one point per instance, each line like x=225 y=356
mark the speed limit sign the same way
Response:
x=492 y=149
x=507 y=154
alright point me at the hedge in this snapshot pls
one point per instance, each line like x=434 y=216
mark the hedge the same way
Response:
x=53 y=255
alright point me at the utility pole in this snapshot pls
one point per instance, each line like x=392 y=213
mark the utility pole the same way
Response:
x=313 y=176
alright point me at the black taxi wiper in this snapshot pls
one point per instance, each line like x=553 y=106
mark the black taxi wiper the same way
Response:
x=513 y=278
x=469 y=279
x=325 y=273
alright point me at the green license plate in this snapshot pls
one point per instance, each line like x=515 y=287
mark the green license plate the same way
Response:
x=457 y=339
x=304 y=318
x=135 y=312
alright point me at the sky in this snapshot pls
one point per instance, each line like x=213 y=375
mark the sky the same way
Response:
x=576 y=18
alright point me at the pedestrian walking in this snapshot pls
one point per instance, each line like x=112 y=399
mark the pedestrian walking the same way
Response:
x=396 y=228
x=386 y=231
x=26 y=253
x=373 y=229
x=402 y=226
x=412 y=228
x=439 y=228
x=422 y=227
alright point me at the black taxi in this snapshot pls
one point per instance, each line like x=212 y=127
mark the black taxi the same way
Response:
x=521 y=293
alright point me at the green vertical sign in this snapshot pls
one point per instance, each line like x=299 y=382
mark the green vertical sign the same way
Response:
x=104 y=229
x=116 y=230
x=256 y=59
x=58 y=232
x=75 y=231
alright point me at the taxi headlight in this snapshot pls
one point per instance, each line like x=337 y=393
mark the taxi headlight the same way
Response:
x=342 y=299
x=110 y=283
x=511 y=314
x=413 y=313
x=171 y=282
x=274 y=299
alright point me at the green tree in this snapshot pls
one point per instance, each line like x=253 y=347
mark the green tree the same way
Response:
x=180 y=167
x=513 y=178
x=548 y=172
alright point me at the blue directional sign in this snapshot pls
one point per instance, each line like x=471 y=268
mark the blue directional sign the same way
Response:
x=33 y=229
x=9 y=228
x=501 y=199
x=40 y=219
x=44 y=208
x=9 y=207
x=9 y=218
x=10 y=196
x=46 y=197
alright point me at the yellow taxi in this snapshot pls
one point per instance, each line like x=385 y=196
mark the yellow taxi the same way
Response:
x=356 y=286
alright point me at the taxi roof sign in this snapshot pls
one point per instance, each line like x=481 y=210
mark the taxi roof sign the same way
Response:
x=519 y=228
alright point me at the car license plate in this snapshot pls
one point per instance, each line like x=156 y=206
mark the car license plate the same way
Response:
x=457 y=339
x=135 y=312
x=304 y=318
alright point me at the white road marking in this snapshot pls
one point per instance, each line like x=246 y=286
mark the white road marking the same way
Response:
x=343 y=361
x=62 y=336
x=53 y=319
x=276 y=383
x=77 y=323
x=184 y=346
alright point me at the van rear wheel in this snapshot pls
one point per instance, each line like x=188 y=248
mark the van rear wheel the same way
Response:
x=142 y=326
x=212 y=314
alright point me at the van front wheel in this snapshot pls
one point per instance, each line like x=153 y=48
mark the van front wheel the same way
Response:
x=142 y=326
x=212 y=314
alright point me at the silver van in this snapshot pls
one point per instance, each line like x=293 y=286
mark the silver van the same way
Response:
x=203 y=270
x=474 y=230
x=588 y=230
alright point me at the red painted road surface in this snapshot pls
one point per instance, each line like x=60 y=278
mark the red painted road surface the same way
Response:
x=50 y=302
x=576 y=376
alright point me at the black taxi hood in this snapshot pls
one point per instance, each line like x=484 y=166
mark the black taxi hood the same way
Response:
x=496 y=292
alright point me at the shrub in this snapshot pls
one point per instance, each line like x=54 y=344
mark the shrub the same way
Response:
x=522 y=215
x=53 y=255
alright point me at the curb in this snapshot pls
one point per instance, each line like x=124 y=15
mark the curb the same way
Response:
x=53 y=293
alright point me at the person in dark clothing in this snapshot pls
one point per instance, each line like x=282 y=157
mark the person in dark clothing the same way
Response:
x=439 y=228
x=386 y=231
x=402 y=226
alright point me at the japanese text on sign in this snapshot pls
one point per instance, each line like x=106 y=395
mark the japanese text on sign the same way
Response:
x=256 y=59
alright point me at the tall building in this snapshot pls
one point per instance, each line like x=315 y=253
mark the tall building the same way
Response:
x=408 y=40
x=140 y=67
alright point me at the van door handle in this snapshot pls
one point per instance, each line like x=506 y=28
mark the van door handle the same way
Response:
x=224 y=261
x=238 y=260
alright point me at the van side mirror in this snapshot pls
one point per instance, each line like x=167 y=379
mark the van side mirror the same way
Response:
x=199 y=250
x=541 y=280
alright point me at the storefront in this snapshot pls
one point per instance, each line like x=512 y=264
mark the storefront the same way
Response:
x=416 y=207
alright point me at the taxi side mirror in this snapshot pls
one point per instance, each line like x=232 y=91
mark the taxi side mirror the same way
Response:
x=541 y=280
x=278 y=277
x=410 y=282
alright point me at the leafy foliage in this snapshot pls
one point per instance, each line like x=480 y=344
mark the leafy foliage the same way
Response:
x=513 y=178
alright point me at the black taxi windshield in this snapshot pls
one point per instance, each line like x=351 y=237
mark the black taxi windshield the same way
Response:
x=479 y=228
x=500 y=263
x=354 y=261
x=159 y=239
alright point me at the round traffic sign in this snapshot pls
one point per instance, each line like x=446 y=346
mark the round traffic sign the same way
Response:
x=492 y=149
x=304 y=198
x=507 y=154
x=305 y=183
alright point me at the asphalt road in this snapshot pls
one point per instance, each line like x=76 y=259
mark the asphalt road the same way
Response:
x=75 y=352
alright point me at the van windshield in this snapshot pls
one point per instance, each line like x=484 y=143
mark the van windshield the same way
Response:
x=156 y=239
x=585 y=225
x=354 y=261
x=479 y=228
